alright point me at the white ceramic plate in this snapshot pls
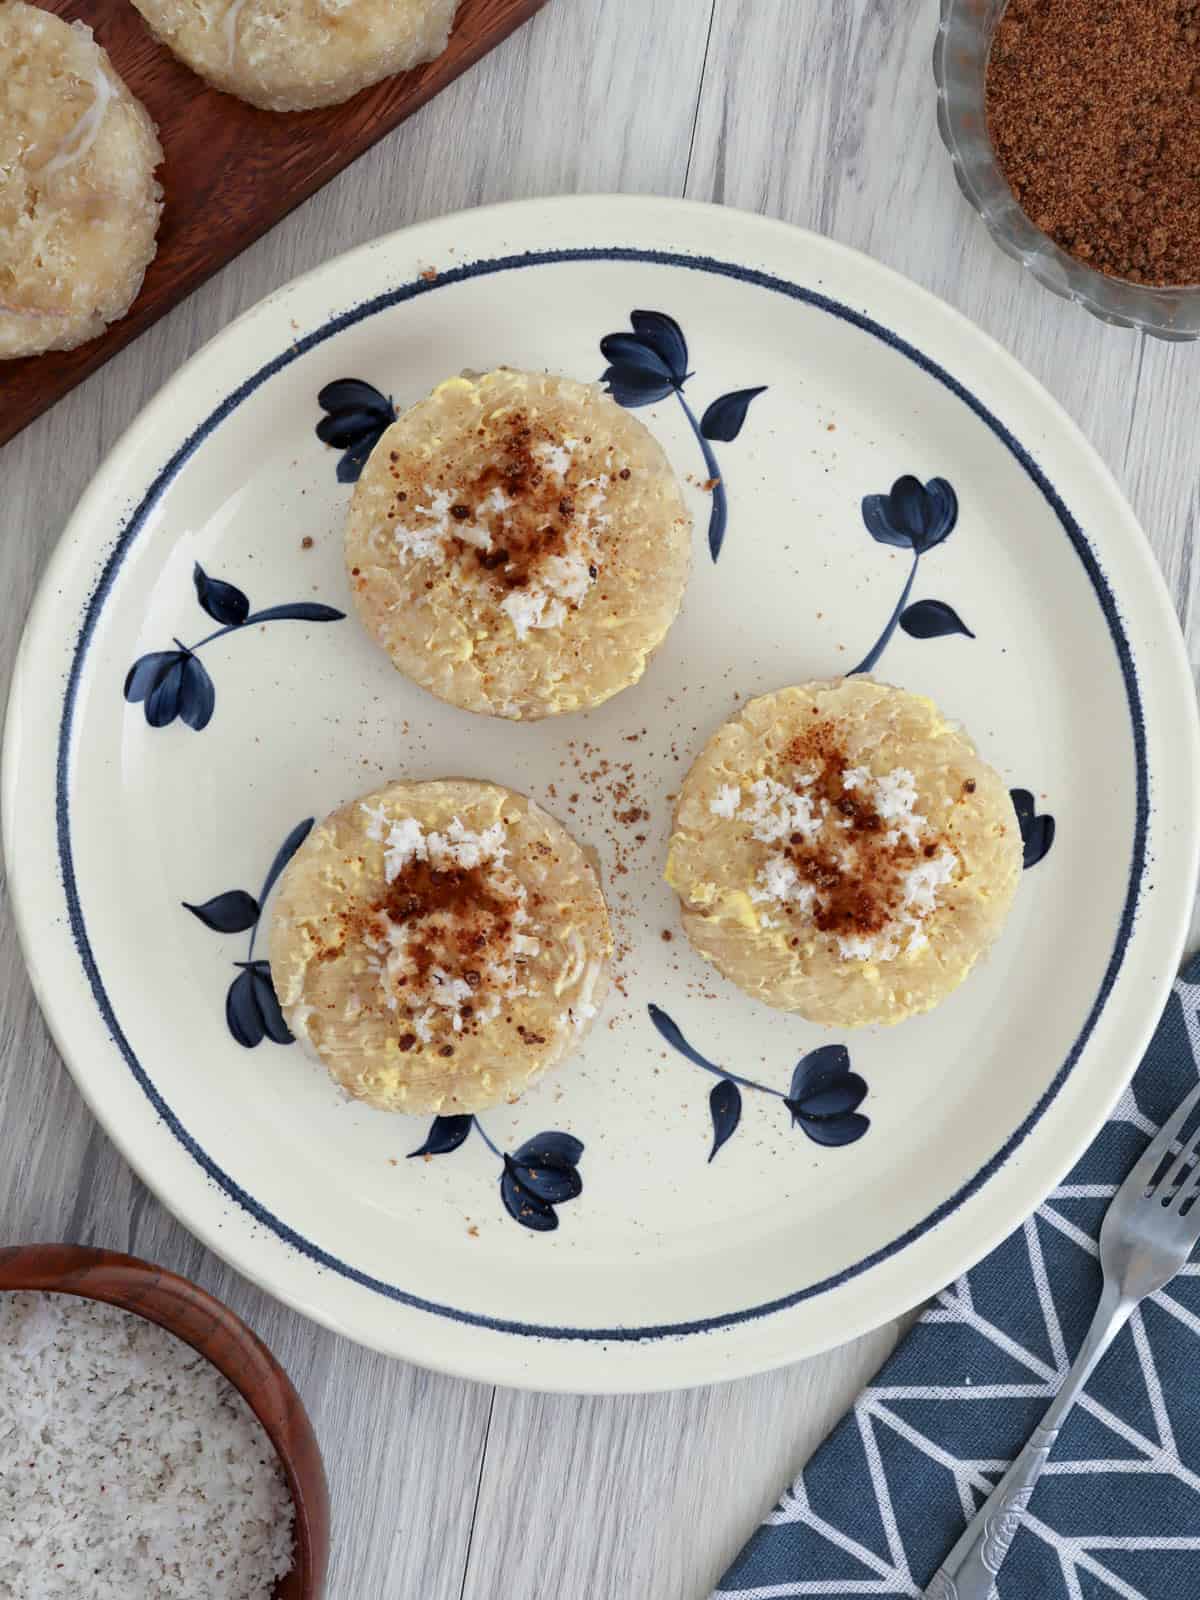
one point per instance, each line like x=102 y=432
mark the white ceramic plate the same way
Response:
x=667 y=1270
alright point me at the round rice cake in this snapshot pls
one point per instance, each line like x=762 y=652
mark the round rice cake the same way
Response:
x=518 y=544
x=842 y=851
x=439 y=946
x=79 y=204
x=292 y=55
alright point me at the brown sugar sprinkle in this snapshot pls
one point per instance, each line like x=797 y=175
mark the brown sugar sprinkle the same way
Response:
x=539 y=519
x=1093 y=109
x=859 y=901
x=481 y=919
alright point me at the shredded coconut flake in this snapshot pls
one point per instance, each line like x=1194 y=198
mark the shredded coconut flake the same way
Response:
x=556 y=458
x=776 y=812
x=82 y=136
x=128 y=1465
x=727 y=800
x=533 y=608
x=405 y=843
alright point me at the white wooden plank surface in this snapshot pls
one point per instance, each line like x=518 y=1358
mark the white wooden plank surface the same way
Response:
x=820 y=114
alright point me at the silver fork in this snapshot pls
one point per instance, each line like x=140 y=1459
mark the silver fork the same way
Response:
x=1144 y=1241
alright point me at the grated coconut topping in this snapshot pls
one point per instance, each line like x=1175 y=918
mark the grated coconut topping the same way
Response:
x=130 y=1469
x=796 y=815
x=418 y=960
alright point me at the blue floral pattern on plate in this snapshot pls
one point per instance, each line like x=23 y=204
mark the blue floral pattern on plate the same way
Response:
x=649 y=364
x=252 y=1011
x=917 y=517
x=823 y=1097
x=175 y=683
x=540 y=1175
x=356 y=417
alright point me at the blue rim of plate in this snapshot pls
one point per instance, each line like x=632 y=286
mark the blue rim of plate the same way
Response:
x=412 y=291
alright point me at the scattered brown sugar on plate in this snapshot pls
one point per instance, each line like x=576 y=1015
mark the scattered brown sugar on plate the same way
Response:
x=1093 y=109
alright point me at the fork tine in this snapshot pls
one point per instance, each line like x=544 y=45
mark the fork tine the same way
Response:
x=1180 y=1171
x=1160 y=1146
x=1188 y=1196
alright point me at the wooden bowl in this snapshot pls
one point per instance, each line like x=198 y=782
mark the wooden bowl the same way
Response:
x=212 y=1329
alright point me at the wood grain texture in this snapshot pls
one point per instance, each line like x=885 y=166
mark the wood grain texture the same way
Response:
x=210 y=1328
x=230 y=171
x=822 y=115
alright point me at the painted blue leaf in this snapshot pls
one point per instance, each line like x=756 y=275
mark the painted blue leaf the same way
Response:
x=242 y=1015
x=197 y=696
x=835 y=1100
x=631 y=387
x=233 y=912
x=665 y=337
x=550 y=1150
x=223 y=602
x=268 y=1004
x=553 y=1184
x=626 y=350
x=671 y=1033
x=725 y=1106
x=344 y=428
x=932 y=619
x=162 y=703
x=345 y=394
x=524 y=1207
x=297 y=611
x=724 y=418
x=446 y=1134
x=285 y=853
x=838 y=1130
x=1037 y=832
x=818 y=1069
x=147 y=672
x=350 y=467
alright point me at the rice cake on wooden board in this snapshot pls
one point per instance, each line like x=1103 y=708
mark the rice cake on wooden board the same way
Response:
x=231 y=171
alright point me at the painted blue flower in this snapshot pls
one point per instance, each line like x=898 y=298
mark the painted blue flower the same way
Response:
x=823 y=1098
x=539 y=1176
x=252 y=1011
x=357 y=417
x=650 y=364
x=912 y=516
x=917 y=517
x=175 y=683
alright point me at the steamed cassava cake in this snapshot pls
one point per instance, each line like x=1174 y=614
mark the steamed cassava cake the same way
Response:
x=440 y=945
x=79 y=204
x=842 y=851
x=291 y=55
x=518 y=544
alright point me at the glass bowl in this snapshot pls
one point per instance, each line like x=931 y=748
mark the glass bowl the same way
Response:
x=959 y=68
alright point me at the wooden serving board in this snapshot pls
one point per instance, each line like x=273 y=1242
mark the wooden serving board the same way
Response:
x=230 y=171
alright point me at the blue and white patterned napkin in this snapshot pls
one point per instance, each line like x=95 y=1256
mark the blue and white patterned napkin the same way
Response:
x=1117 y=1513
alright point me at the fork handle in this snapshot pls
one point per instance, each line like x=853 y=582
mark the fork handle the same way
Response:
x=969 y=1571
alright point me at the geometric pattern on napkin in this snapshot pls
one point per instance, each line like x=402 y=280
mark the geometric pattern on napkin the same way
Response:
x=1117 y=1511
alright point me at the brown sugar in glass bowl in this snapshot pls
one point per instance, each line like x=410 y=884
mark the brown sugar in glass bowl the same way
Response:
x=228 y=1344
x=1099 y=136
